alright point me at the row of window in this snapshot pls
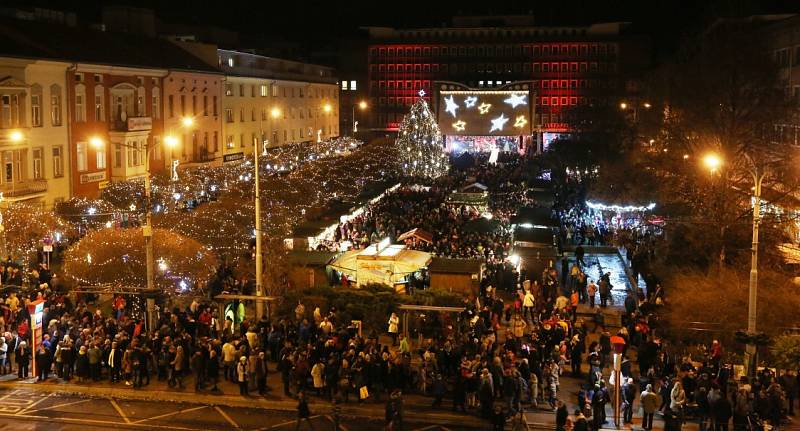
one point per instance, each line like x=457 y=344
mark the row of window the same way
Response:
x=12 y=108
x=199 y=106
x=15 y=161
x=536 y=67
x=273 y=90
x=288 y=136
x=560 y=49
x=291 y=113
x=382 y=86
x=126 y=101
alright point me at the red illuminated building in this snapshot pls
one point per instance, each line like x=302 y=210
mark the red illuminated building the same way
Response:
x=568 y=66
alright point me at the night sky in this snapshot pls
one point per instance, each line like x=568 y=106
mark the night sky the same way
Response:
x=302 y=21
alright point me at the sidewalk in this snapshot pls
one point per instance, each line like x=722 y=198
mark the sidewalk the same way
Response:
x=418 y=408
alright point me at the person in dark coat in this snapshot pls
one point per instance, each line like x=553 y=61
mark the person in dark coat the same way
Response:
x=303 y=412
x=498 y=419
x=42 y=363
x=439 y=389
x=212 y=370
x=561 y=415
x=580 y=421
x=82 y=365
x=721 y=411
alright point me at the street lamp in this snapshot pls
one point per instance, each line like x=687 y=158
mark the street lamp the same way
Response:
x=187 y=121
x=16 y=136
x=147 y=229
x=758 y=173
x=274 y=113
x=362 y=105
x=712 y=162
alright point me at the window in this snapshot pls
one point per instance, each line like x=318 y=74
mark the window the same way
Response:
x=37 y=163
x=194 y=105
x=263 y=90
x=171 y=105
x=228 y=89
x=117 y=155
x=352 y=85
x=229 y=142
x=241 y=90
x=183 y=105
x=252 y=114
x=230 y=62
x=216 y=142
x=81 y=158
x=36 y=110
x=98 y=103
x=205 y=106
x=155 y=109
x=241 y=140
x=55 y=105
x=253 y=90
x=214 y=108
x=228 y=115
x=274 y=90
x=58 y=162
x=80 y=105
x=101 y=157
x=344 y=85
x=241 y=115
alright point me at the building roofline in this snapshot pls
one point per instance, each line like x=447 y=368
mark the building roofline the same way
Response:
x=275 y=58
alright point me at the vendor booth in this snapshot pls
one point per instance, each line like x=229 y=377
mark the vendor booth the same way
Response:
x=382 y=263
x=309 y=268
x=456 y=275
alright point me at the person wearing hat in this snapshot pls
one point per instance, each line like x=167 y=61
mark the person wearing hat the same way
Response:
x=241 y=375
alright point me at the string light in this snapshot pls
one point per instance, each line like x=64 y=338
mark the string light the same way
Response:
x=421 y=137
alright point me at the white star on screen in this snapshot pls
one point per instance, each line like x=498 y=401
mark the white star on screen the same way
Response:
x=498 y=123
x=515 y=100
x=470 y=101
x=452 y=106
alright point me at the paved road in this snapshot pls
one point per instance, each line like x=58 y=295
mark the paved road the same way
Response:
x=22 y=409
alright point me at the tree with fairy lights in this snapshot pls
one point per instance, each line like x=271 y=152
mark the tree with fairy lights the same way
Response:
x=117 y=256
x=419 y=143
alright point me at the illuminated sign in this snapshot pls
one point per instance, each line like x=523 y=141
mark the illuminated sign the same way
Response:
x=485 y=113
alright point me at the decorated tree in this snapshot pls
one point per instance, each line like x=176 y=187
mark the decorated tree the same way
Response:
x=117 y=256
x=419 y=143
x=25 y=226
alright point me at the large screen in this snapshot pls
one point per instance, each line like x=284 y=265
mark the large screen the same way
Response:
x=485 y=113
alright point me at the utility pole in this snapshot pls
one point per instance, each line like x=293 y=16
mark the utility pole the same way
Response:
x=259 y=269
x=752 y=309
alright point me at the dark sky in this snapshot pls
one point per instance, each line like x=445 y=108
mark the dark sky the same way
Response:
x=295 y=20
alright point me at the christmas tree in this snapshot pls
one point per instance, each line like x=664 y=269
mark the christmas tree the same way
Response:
x=419 y=142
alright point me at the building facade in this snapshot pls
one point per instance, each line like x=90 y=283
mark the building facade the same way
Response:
x=271 y=102
x=782 y=34
x=115 y=116
x=33 y=131
x=567 y=66
x=192 y=114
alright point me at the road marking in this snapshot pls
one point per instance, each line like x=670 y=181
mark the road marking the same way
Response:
x=168 y=414
x=34 y=403
x=294 y=421
x=59 y=405
x=94 y=421
x=119 y=410
x=227 y=418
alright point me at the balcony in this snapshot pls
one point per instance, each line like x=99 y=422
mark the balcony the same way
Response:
x=23 y=188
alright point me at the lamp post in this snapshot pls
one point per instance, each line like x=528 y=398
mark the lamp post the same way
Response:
x=362 y=105
x=274 y=113
x=147 y=229
x=713 y=162
x=635 y=108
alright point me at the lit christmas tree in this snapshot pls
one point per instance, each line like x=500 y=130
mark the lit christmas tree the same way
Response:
x=419 y=142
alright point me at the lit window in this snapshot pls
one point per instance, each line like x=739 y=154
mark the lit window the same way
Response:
x=230 y=62
x=352 y=86
x=344 y=85
x=480 y=83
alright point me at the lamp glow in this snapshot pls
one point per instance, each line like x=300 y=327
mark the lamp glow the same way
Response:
x=16 y=136
x=96 y=142
x=712 y=161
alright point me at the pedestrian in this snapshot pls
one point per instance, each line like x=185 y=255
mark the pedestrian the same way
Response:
x=114 y=361
x=628 y=396
x=212 y=369
x=394 y=323
x=81 y=365
x=177 y=367
x=241 y=376
x=722 y=411
x=42 y=363
x=650 y=402
x=261 y=373
x=498 y=419
x=439 y=390
x=561 y=415
x=318 y=376
x=303 y=412
x=591 y=290
x=197 y=367
x=580 y=421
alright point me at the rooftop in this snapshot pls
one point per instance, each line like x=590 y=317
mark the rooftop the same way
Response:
x=40 y=40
